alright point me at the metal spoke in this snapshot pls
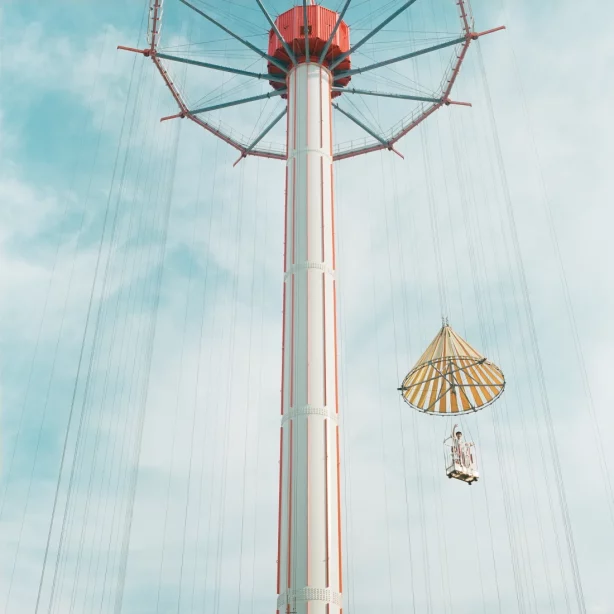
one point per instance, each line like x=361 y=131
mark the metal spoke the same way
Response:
x=407 y=56
x=268 y=57
x=277 y=32
x=236 y=71
x=332 y=35
x=371 y=34
x=385 y=94
x=234 y=103
x=363 y=126
x=306 y=31
x=267 y=129
x=262 y=134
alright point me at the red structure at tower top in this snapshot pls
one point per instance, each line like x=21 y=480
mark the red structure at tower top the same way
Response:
x=320 y=25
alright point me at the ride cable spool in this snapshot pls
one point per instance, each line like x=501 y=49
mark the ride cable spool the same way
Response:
x=451 y=377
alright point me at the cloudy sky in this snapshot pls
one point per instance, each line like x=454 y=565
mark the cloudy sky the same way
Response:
x=140 y=316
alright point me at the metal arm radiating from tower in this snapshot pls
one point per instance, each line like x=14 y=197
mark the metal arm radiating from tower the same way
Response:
x=309 y=65
x=295 y=45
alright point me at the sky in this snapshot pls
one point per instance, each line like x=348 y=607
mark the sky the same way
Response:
x=140 y=316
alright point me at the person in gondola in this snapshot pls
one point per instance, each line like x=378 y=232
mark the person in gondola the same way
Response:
x=459 y=448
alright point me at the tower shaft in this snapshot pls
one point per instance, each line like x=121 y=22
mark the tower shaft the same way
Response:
x=309 y=574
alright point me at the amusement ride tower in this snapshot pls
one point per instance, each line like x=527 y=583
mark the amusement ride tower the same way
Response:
x=309 y=64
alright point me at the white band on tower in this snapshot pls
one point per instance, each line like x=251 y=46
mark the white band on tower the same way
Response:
x=309 y=410
x=324 y=595
x=309 y=265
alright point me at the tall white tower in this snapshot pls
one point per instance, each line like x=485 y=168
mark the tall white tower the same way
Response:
x=309 y=566
x=309 y=576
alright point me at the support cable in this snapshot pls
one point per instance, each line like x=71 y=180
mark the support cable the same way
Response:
x=79 y=237
x=491 y=339
x=382 y=438
x=229 y=395
x=175 y=423
x=248 y=387
x=258 y=406
x=349 y=558
x=396 y=352
x=150 y=340
x=208 y=233
x=216 y=440
x=159 y=186
x=111 y=316
x=195 y=401
x=536 y=350
x=83 y=343
x=108 y=316
x=107 y=371
x=417 y=457
x=571 y=312
x=444 y=307
x=474 y=267
x=451 y=232
x=509 y=334
x=398 y=371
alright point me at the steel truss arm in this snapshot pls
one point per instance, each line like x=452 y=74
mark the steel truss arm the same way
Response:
x=366 y=128
x=236 y=71
x=277 y=32
x=155 y=9
x=259 y=138
x=234 y=103
x=464 y=18
x=407 y=56
x=332 y=35
x=371 y=34
x=271 y=59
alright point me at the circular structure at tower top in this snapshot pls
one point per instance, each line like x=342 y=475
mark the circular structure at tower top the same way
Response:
x=320 y=24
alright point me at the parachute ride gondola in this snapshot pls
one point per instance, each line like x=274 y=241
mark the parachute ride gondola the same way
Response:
x=451 y=378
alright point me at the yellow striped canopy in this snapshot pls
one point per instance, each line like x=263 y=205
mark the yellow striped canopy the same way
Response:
x=452 y=378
